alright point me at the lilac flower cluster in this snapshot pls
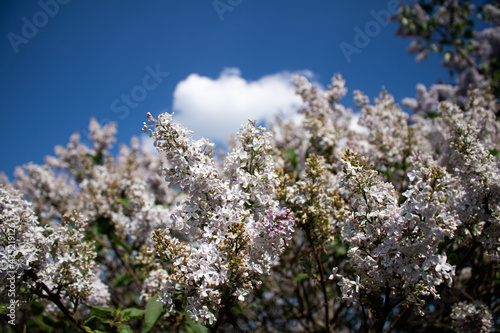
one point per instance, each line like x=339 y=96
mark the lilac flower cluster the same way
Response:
x=393 y=246
x=234 y=228
x=47 y=262
x=475 y=317
x=406 y=194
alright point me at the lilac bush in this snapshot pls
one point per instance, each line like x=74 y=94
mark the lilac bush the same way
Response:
x=314 y=225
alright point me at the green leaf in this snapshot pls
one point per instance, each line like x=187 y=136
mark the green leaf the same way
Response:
x=97 y=158
x=117 y=241
x=102 y=312
x=237 y=308
x=300 y=277
x=125 y=202
x=341 y=251
x=153 y=312
x=432 y=115
x=125 y=329
x=291 y=155
x=193 y=327
x=131 y=313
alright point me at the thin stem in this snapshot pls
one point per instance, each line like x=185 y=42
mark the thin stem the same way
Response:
x=126 y=265
x=322 y=279
x=56 y=299
x=225 y=312
x=395 y=322
x=379 y=323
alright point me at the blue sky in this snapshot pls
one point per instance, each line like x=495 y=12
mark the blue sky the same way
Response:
x=65 y=61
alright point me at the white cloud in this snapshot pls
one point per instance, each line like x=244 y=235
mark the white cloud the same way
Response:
x=147 y=143
x=355 y=126
x=215 y=108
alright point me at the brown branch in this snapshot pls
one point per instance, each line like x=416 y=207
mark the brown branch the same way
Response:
x=56 y=299
x=126 y=265
x=378 y=326
x=322 y=279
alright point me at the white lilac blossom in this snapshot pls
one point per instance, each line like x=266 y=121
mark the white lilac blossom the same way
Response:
x=428 y=218
x=51 y=195
x=393 y=248
x=102 y=137
x=388 y=131
x=325 y=119
x=122 y=199
x=471 y=317
x=23 y=243
x=479 y=175
x=427 y=100
x=430 y=201
x=71 y=269
x=313 y=201
x=235 y=226
x=49 y=263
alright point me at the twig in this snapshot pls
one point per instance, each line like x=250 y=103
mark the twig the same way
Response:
x=322 y=279
x=56 y=299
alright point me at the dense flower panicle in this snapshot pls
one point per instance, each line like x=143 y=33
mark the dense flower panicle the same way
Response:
x=478 y=113
x=393 y=246
x=50 y=195
x=471 y=317
x=430 y=199
x=388 y=131
x=251 y=171
x=102 y=137
x=280 y=223
x=72 y=158
x=427 y=100
x=54 y=257
x=71 y=269
x=234 y=225
x=23 y=241
x=326 y=122
x=478 y=172
x=313 y=200
x=77 y=158
x=371 y=225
